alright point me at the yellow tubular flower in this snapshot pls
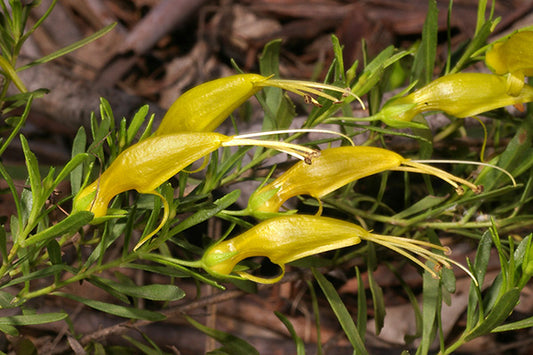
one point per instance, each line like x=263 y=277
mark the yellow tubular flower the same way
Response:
x=460 y=95
x=288 y=238
x=145 y=165
x=334 y=168
x=513 y=57
x=204 y=107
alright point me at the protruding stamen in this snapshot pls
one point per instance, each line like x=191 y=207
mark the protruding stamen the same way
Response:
x=437 y=161
x=305 y=88
x=416 y=166
x=298 y=151
x=405 y=245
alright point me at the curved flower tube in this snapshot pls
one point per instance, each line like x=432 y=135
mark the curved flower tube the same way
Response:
x=334 y=168
x=145 y=165
x=514 y=58
x=288 y=238
x=204 y=107
x=460 y=95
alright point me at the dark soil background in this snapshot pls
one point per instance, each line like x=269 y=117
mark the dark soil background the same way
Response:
x=161 y=48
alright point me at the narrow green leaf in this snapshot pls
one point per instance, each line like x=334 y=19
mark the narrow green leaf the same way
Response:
x=78 y=147
x=300 y=346
x=70 y=48
x=175 y=263
x=316 y=312
x=492 y=294
x=136 y=123
x=504 y=264
x=54 y=252
x=430 y=302
x=156 y=349
x=148 y=128
x=33 y=169
x=68 y=225
x=8 y=329
x=343 y=316
x=517 y=158
x=18 y=100
x=361 y=305
x=16 y=226
x=73 y=163
x=339 y=60
x=501 y=310
x=48 y=181
x=120 y=311
x=112 y=231
x=25 y=346
x=145 y=349
x=39 y=274
x=424 y=61
x=521 y=324
x=153 y=220
x=479 y=40
x=527 y=261
x=32 y=319
x=269 y=59
x=27 y=203
x=122 y=136
x=16 y=221
x=17 y=22
x=234 y=159
x=447 y=277
x=420 y=206
x=100 y=350
x=231 y=344
x=481 y=8
x=279 y=111
x=204 y=214
x=159 y=269
x=3 y=243
x=522 y=253
x=5 y=300
x=479 y=270
x=376 y=291
x=99 y=131
x=351 y=72
x=99 y=282
x=39 y=21
x=373 y=72
x=155 y=292
x=107 y=116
